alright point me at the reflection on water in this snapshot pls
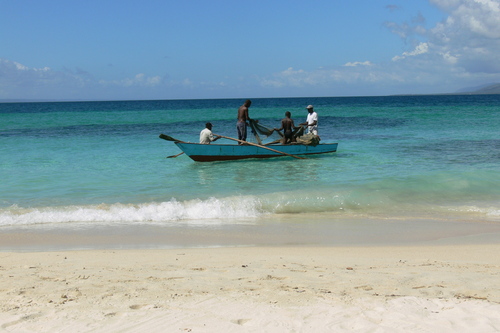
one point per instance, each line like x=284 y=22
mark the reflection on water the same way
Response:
x=257 y=176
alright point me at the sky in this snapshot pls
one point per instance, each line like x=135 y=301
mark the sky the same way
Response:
x=163 y=49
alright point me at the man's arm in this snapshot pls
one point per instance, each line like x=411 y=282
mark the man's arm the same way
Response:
x=212 y=137
x=315 y=119
x=282 y=125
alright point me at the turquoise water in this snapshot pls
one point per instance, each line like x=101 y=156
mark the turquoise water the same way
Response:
x=102 y=162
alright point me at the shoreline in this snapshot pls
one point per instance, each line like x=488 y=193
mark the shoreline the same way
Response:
x=287 y=231
x=445 y=288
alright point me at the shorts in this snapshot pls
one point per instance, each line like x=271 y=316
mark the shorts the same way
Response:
x=242 y=131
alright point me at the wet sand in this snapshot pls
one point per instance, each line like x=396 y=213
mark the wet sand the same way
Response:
x=290 y=230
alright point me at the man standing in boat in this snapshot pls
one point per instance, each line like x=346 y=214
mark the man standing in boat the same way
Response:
x=287 y=126
x=206 y=136
x=243 y=117
x=311 y=121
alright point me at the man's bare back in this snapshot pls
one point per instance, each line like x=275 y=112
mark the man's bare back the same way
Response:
x=243 y=117
x=243 y=112
x=287 y=124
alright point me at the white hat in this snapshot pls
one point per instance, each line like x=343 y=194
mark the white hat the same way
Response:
x=309 y=107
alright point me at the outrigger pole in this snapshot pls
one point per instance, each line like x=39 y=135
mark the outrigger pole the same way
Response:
x=254 y=144
x=169 y=138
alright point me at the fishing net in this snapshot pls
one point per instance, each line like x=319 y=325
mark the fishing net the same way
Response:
x=264 y=135
x=261 y=134
x=308 y=139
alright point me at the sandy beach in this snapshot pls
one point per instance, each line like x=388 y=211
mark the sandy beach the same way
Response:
x=447 y=288
x=398 y=231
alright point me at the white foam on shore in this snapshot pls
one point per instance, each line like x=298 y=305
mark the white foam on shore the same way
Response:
x=237 y=210
x=171 y=211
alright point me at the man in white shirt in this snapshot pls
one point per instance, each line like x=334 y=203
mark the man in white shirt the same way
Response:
x=312 y=121
x=206 y=136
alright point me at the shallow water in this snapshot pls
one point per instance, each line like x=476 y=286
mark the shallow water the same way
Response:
x=102 y=163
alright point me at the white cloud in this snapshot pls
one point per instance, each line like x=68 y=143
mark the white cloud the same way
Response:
x=470 y=35
x=20 y=81
x=358 y=63
x=475 y=18
x=365 y=72
x=9 y=65
x=19 y=66
x=287 y=77
x=466 y=42
x=461 y=50
x=420 y=49
x=449 y=58
x=139 y=80
x=187 y=82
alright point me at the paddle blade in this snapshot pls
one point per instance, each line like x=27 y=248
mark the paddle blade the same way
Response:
x=172 y=156
x=168 y=138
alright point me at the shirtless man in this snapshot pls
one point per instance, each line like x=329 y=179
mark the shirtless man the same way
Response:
x=287 y=126
x=243 y=117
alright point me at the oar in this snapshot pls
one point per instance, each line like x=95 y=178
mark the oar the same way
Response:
x=172 y=156
x=254 y=144
x=273 y=142
x=169 y=138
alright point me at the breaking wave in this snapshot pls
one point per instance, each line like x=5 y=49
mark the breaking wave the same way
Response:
x=246 y=209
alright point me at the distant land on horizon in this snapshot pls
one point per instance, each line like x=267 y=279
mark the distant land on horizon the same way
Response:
x=487 y=89
x=493 y=88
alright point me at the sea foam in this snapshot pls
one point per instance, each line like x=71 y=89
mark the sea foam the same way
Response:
x=212 y=209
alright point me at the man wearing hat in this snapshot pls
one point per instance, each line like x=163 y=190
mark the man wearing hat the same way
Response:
x=206 y=136
x=312 y=121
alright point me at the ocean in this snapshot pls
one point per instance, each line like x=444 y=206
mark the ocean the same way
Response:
x=409 y=162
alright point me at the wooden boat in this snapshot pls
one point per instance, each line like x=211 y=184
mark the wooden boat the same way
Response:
x=226 y=152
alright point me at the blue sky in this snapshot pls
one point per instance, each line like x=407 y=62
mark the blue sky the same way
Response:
x=109 y=50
